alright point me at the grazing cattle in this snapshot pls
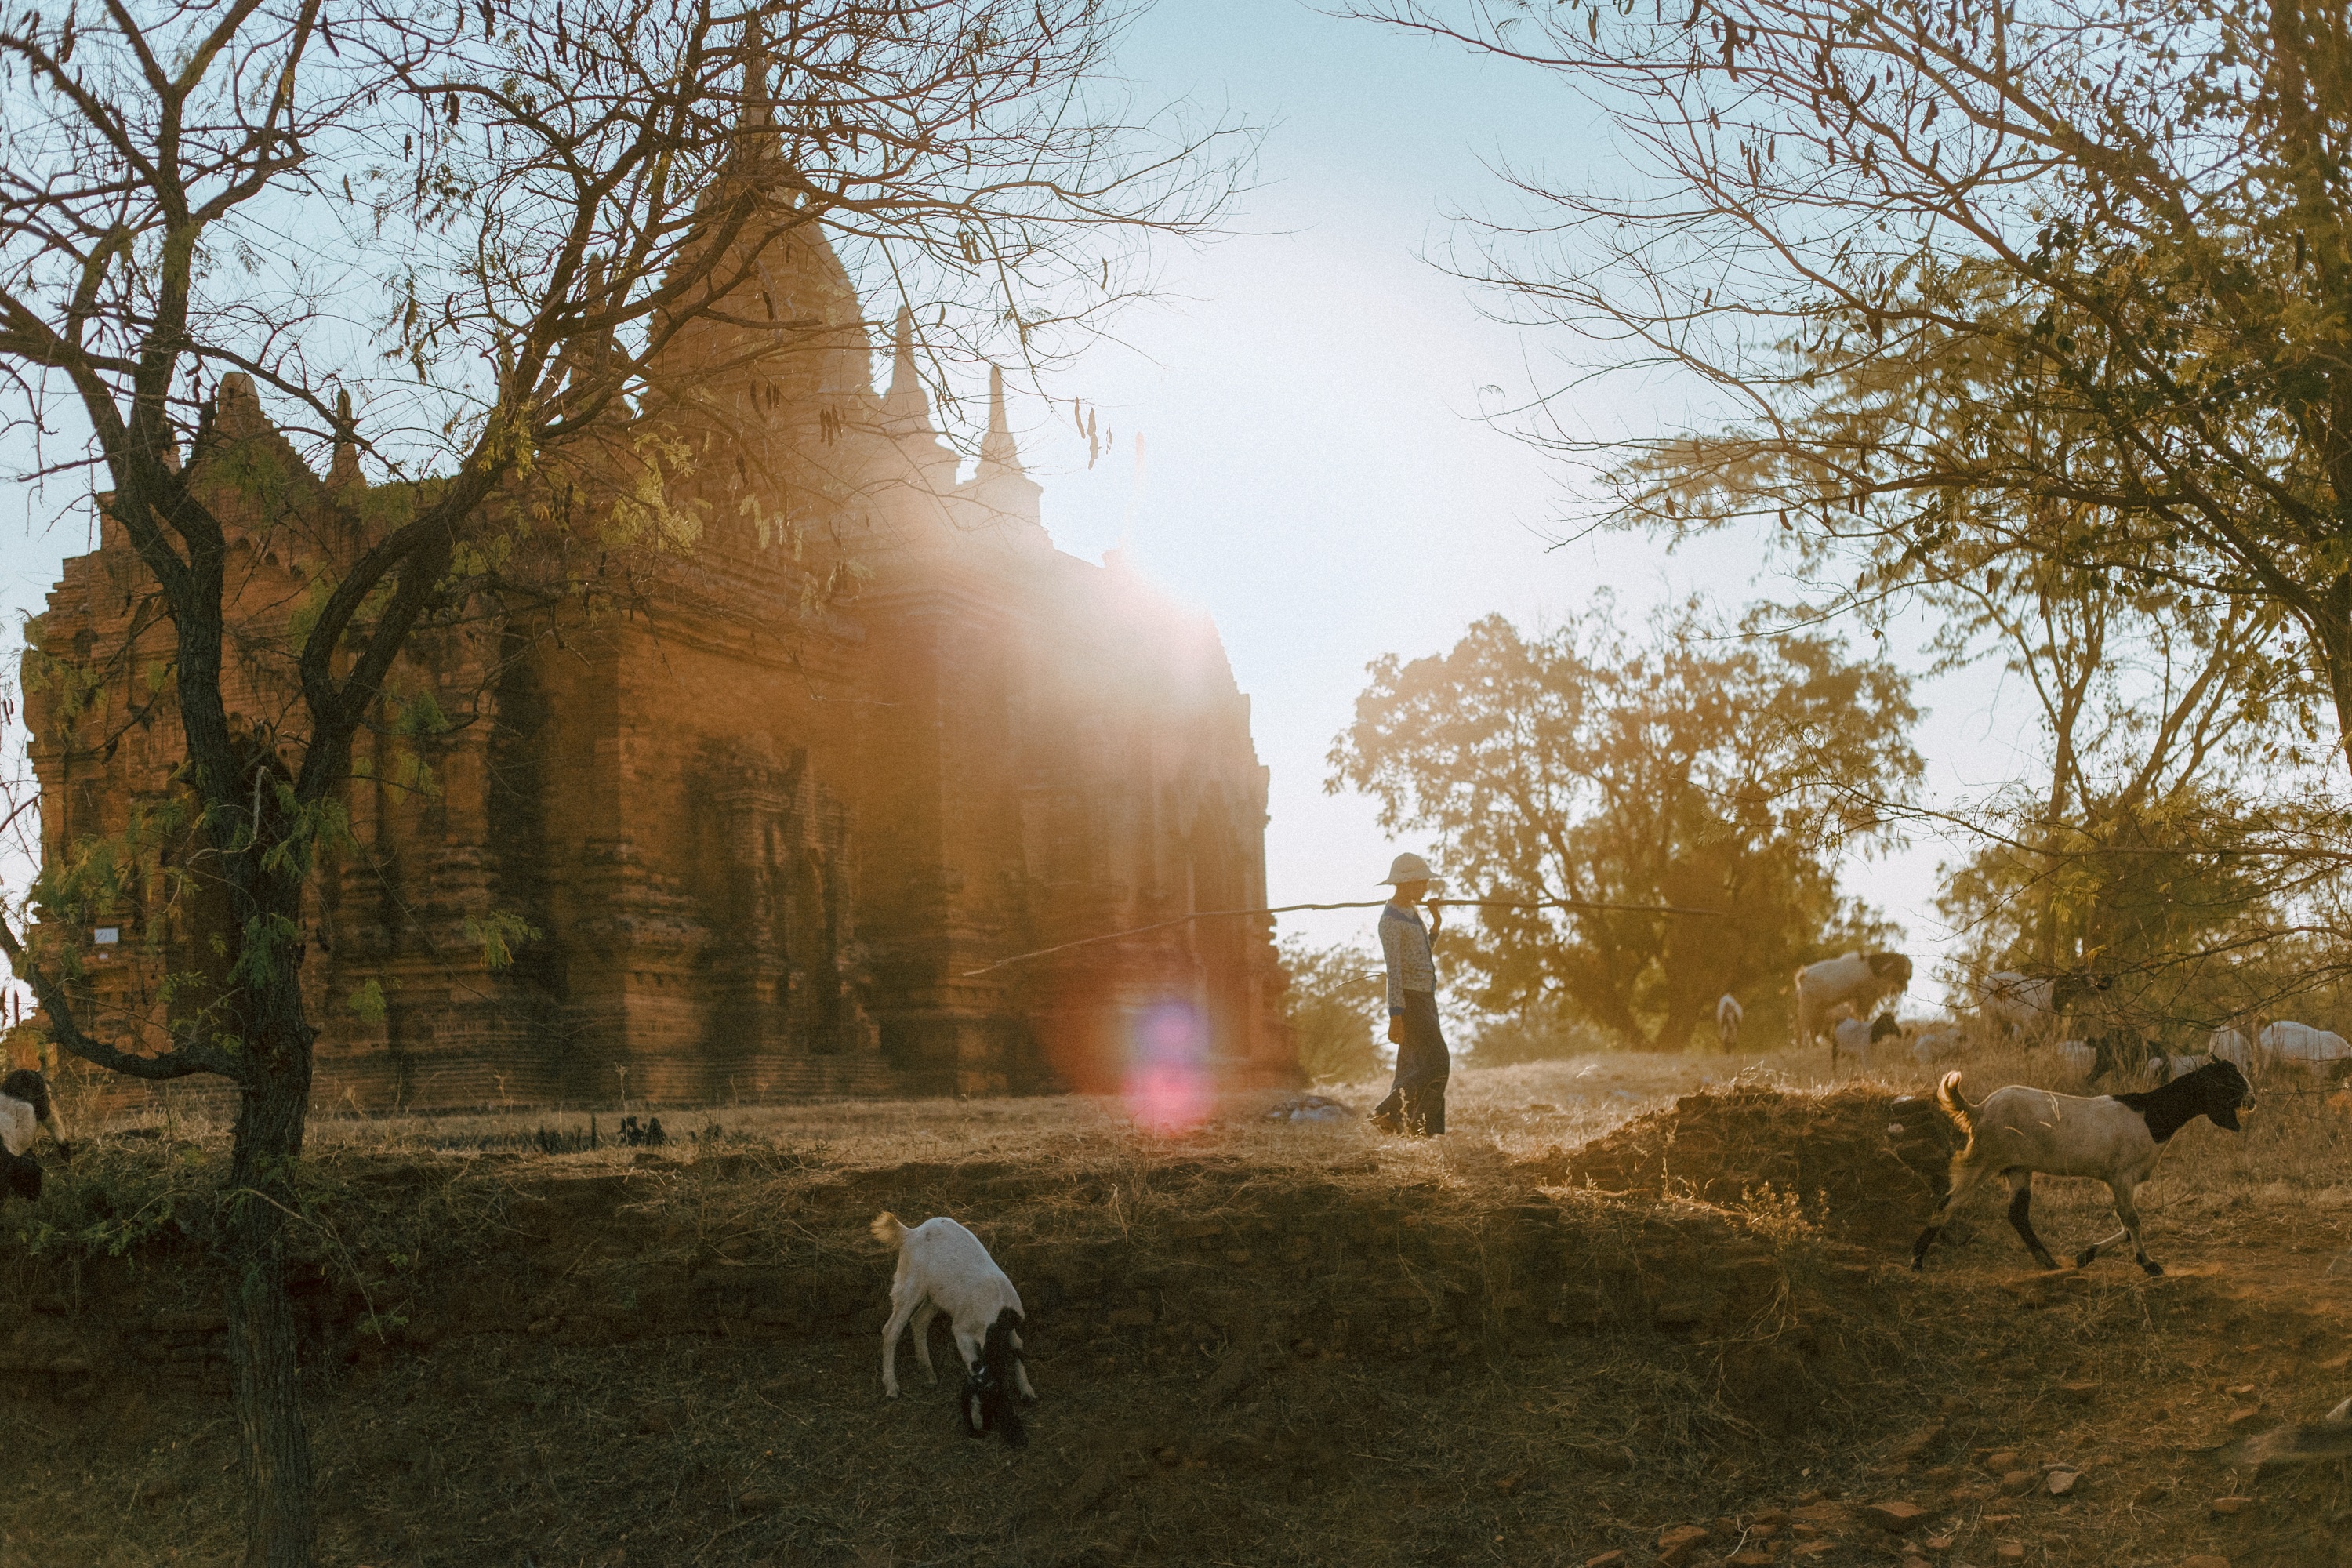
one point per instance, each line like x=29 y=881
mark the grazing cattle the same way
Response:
x=1932 y=1046
x=1858 y=981
x=1728 y=1017
x=2232 y=1047
x=2020 y=1004
x=2300 y=1045
x=2114 y=1138
x=1855 y=1038
x=943 y=1268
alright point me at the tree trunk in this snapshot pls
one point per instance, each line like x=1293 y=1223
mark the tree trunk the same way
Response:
x=282 y=1527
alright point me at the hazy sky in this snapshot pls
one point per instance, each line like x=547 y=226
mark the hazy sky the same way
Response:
x=1316 y=476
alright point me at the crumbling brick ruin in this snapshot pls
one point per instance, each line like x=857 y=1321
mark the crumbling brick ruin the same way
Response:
x=764 y=811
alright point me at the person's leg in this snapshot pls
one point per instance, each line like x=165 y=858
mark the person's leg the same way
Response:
x=1425 y=1096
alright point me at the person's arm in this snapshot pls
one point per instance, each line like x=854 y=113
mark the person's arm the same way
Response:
x=1391 y=951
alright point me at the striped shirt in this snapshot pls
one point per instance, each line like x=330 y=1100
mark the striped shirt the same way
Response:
x=1405 y=943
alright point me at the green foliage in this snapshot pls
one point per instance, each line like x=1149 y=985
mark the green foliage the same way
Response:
x=1691 y=769
x=366 y=1003
x=1337 y=1002
x=498 y=934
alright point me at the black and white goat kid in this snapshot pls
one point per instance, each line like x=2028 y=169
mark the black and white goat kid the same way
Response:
x=26 y=1109
x=943 y=1268
x=2114 y=1138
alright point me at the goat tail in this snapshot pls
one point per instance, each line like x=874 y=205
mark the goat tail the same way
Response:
x=999 y=1366
x=1956 y=1108
x=887 y=1230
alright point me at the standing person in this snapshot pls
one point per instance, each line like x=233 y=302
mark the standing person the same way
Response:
x=1416 y=1101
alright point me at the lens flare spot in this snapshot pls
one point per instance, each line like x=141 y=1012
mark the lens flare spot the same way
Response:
x=1169 y=1085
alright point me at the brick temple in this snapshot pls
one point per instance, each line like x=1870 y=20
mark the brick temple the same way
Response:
x=765 y=811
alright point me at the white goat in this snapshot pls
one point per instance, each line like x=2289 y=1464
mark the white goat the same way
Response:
x=1855 y=1037
x=2314 y=1051
x=1859 y=981
x=2165 y=1069
x=25 y=1109
x=943 y=1268
x=2022 y=1005
x=2113 y=1138
x=2230 y=1046
x=1932 y=1046
x=1728 y=1017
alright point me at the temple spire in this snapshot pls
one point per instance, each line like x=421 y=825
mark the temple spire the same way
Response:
x=906 y=406
x=1006 y=494
x=345 y=470
x=998 y=454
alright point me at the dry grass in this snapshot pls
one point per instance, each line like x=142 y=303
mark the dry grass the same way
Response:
x=629 y=1357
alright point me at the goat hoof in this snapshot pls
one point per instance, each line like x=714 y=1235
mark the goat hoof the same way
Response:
x=2085 y=1258
x=2152 y=1266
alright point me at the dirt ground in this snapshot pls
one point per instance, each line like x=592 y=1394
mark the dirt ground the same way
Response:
x=1624 y=1302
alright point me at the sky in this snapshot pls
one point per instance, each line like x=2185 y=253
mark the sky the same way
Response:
x=1315 y=473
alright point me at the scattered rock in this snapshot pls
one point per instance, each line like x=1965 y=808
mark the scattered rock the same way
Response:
x=2205 y=1561
x=2011 y=1551
x=1606 y=1559
x=755 y=1502
x=1676 y=1542
x=1897 y=1518
x=2228 y=1507
x=2061 y=1482
x=2001 y=1462
x=2154 y=1491
x=1754 y=1557
x=2017 y=1483
x=2082 y=1391
x=2239 y=1417
x=1308 y=1108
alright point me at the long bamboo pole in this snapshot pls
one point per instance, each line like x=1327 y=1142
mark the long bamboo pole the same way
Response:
x=1367 y=904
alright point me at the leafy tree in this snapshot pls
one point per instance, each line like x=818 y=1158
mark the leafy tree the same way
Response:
x=2070 y=280
x=1694 y=769
x=450 y=240
x=1336 y=1002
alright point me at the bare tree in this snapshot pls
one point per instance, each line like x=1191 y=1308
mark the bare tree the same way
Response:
x=449 y=239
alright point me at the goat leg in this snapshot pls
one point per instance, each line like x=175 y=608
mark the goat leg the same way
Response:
x=2021 y=1219
x=2082 y=1259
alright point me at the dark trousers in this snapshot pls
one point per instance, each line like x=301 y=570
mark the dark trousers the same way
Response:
x=1418 y=1096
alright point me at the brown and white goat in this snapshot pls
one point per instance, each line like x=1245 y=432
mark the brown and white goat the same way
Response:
x=2113 y=1138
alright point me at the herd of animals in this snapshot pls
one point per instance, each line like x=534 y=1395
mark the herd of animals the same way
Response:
x=2017 y=1132
x=1837 y=996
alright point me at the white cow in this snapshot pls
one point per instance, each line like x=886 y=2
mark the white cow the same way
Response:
x=1728 y=1017
x=1859 y=981
x=2314 y=1051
